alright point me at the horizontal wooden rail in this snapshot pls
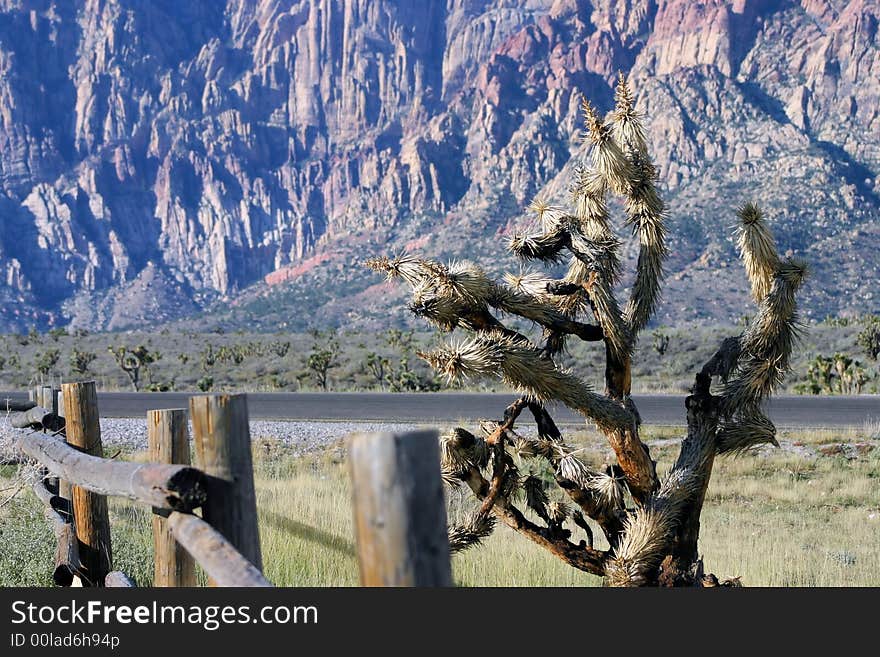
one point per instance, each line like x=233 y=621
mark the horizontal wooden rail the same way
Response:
x=219 y=559
x=67 y=564
x=9 y=406
x=36 y=416
x=75 y=497
x=176 y=487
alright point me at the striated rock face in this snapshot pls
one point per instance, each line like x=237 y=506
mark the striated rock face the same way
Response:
x=158 y=156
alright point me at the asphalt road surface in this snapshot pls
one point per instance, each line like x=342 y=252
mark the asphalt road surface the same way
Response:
x=785 y=411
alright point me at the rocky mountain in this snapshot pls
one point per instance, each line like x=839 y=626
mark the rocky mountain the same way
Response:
x=161 y=158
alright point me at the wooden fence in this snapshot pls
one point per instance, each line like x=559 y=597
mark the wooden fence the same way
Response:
x=207 y=515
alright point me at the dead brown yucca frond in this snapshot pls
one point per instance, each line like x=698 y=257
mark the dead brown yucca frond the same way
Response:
x=591 y=209
x=536 y=496
x=648 y=530
x=454 y=461
x=470 y=450
x=547 y=448
x=609 y=488
x=757 y=249
x=558 y=511
x=618 y=336
x=645 y=211
x=470 y=533
x=745 y=432
x=525 y=448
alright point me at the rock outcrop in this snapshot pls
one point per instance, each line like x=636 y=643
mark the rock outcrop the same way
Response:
x=156 y=157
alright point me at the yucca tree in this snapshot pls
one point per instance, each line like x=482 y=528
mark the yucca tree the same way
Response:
x=651 y=523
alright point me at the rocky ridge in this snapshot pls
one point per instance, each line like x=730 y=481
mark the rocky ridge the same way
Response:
x=160 y=158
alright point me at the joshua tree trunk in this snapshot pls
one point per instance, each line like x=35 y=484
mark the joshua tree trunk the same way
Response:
x=652 y=525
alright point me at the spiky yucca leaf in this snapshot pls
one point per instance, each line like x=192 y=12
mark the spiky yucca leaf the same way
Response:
x=470 y=533
x=443 y=310
x=609 y=488
x=536 y=497
x=609 y=491
x=758 y=250
x=466 y=281
x=408 y=267
x=591 y=210
x=523 y=366
x=546 y=247
x=554 y=217
x=606 y=309
x=571 y=468
x=767 y=343
x=557 y=512
x=597 y=262
x=538 y=206
x=608 y=157
x=745 y=432
x=645 y=210
x=628 y=129
x=648 y=530
x=531 y=283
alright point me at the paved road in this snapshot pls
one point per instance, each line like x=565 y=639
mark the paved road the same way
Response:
x=786 y=411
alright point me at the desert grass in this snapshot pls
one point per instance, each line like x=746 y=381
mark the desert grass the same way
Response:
x=781 y=517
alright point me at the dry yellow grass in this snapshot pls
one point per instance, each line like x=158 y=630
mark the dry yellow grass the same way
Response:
x=777 y=519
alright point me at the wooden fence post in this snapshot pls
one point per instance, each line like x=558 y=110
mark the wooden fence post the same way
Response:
x=221 y=433
x=47 y=400
x=168 y=437
x=64 y=489
x=399 y=509
x=90 y=513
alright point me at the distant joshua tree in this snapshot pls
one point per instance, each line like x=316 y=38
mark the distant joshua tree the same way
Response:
x=80 y=361
x=45 y=361
x=869 y=337
x=323 y=357
x=651 y=522
x=838 y=374
x=132 y=361
x=661 y=342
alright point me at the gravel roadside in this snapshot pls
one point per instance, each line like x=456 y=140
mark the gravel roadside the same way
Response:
x=302 y=437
